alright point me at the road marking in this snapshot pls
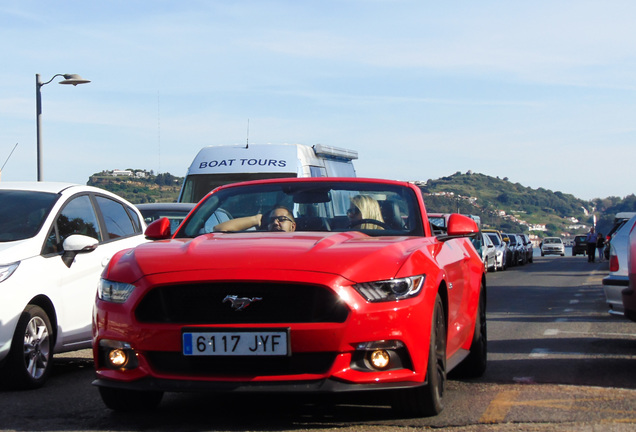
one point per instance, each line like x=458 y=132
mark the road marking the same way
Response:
x=553 y=332
x=499 y=407
x=574 y=301
x=539 y=353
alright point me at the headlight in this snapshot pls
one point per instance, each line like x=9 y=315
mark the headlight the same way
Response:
x=115 y=292
x=7 y=270
x=390 y=290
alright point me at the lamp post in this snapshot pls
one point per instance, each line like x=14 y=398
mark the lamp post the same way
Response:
x=73 y=79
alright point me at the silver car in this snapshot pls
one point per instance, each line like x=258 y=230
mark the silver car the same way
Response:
x=552 y=246
x=617 y=280
x=500 y=249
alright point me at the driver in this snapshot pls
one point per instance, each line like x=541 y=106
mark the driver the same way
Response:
x=362 y=211
x=280 y=219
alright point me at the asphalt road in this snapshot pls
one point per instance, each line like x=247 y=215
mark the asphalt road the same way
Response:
x=557 y=362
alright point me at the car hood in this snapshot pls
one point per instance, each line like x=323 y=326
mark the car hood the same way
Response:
x=345 y=254
x=13 y=251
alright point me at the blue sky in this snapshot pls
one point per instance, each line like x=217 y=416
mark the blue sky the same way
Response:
x=541 y=92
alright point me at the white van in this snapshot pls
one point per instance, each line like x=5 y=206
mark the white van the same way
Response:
x=215 y=166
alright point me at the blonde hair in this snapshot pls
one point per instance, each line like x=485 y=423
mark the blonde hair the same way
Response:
x=369 y=209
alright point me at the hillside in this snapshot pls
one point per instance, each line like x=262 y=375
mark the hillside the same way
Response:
x=139 y=187
x=511 y=206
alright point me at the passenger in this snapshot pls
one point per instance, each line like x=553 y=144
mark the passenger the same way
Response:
x=280 y=219
x=363 y=207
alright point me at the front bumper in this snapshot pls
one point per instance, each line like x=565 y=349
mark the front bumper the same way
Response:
x=327 y=385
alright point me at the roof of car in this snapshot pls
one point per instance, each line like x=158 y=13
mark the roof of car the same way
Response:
x=52 y=187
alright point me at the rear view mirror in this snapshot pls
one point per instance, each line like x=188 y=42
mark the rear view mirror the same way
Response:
x=461 y=226
x=159 y=230
x=75 y=244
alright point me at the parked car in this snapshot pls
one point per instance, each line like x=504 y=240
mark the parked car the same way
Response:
x=579 y=246
x=486 y=250
x=518 y=250
x=501 y=248
x=55 y=239
x=629 y=293
x=527 y=247
x=175 y=212
x=619 y=220
x=552 y=246
x=617 y=279
x=350 y=303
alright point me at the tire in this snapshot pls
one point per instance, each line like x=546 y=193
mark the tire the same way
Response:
x=427 y=400
x=474 y=365
x=130 y=400
x=28 y=364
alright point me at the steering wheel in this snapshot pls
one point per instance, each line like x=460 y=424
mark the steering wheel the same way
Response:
x=359 y=222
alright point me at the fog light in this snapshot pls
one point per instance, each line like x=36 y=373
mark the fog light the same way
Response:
x=117 y=355
x=118 y=358
x=380 y=359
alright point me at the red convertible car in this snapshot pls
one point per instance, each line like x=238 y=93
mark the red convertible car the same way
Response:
x=294 y=285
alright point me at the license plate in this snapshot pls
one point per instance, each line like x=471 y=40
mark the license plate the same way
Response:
x=236 y=343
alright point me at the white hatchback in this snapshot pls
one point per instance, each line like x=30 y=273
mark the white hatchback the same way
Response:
x=55 y=240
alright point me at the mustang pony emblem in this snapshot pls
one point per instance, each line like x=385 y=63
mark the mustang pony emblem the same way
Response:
x=240 y=303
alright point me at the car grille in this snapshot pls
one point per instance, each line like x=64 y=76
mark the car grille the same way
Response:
x=300 y=363
x=205 y=303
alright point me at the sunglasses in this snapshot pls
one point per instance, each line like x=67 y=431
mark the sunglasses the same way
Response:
x=280 y=219
x=353 y=211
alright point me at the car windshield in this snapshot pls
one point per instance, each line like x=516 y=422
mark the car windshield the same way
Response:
x=378 y=209
x=22 y=213
x=552 y=240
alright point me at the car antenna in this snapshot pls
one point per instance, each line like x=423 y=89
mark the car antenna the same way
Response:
x=5 y=162
x=247 y=143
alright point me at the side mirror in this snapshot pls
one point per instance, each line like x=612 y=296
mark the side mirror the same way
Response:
x=461 y=226
x=159 y=230
x=76 y=244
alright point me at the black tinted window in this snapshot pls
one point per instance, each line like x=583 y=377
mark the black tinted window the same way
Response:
x=77 y=217
x=116 y=218
x=22 y=213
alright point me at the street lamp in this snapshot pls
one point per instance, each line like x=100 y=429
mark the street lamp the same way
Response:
x=73 y=79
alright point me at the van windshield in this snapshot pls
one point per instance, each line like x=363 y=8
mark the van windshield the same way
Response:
x=197 y=186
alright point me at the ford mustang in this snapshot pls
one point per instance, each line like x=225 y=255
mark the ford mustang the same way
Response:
x=294 y=285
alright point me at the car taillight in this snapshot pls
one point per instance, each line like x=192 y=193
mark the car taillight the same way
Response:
x=613 y=263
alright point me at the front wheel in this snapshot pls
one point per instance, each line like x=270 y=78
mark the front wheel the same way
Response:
x=427 y=400
x=130 y=400
x=29 y=361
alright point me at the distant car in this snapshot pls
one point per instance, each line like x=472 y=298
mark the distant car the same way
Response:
x=501 y=248
x=511 y=242
x=629 y=293
x=516 y=245
x=527 y=247
x=175 y=212
x=346 y=302
x=552 y=246
x=486 y=250
x=579 y=246
x=617 y=280
x=55 y=240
